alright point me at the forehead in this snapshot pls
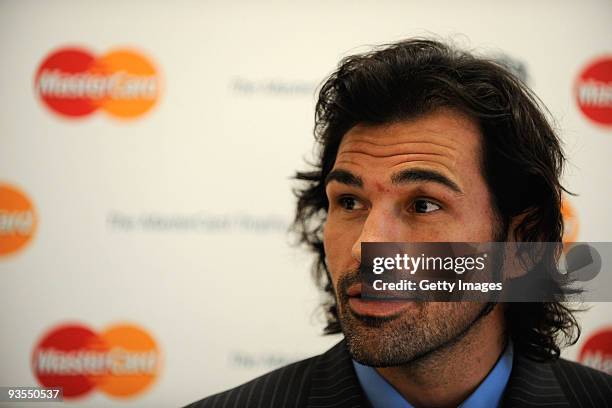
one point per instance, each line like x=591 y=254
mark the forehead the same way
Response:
x=445 y=141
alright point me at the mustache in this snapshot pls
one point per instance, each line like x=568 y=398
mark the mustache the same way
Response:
x=345 y=282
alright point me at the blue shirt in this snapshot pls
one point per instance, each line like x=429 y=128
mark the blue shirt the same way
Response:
x=381 y=394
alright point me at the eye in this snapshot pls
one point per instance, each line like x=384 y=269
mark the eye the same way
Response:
x=349 y=203
x=423 y=206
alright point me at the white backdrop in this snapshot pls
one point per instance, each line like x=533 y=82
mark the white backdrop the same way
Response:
x=214 y=281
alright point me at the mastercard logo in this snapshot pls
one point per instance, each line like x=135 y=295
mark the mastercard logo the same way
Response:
x=17 y=219
x=593 y=91
x=596 y=351
x=72 y=82
x=122 y=361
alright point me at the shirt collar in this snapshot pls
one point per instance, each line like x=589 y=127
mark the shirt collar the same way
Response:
x=489 y=393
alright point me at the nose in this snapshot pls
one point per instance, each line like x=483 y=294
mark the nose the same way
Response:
x=381 y=225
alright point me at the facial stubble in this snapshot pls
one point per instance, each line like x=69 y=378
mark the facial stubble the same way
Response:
x=423 y=330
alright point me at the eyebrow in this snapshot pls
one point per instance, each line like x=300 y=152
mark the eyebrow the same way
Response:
x=416 y=175
x=344 y=177
x=402 y=177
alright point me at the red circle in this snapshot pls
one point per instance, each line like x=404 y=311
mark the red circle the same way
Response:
x=596 y=352
x=593 y=91
x=57 y=82
x=51 y=362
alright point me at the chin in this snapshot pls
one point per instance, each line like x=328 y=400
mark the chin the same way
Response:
x=382 y=343
x=409 y=337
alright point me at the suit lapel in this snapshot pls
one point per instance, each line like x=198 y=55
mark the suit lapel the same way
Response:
x=334 y=382
x=533 y=384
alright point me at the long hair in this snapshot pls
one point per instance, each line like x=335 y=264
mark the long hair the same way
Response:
x=522 y=158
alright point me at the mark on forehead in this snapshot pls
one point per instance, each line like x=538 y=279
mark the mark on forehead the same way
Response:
x=381 y=188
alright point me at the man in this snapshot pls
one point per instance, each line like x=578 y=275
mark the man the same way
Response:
x=424 y=143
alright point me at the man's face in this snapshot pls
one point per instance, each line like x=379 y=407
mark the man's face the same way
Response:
x=414 y=181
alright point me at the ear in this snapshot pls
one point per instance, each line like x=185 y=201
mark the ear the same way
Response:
x=515 y=263
x=513 y=225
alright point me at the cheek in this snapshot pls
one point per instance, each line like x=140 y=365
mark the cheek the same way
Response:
x=331 y=242
x=330 y=246
x=338 y=242
x=478 y=221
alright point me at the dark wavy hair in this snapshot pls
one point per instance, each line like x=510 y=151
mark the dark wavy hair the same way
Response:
x=522 y=158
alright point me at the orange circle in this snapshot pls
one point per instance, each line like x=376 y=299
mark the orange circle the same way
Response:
x=570 y=222
x=133 y=83
x=17 y=219
x=134 y=361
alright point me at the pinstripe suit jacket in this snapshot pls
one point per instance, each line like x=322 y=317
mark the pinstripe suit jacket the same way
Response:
x=329 y=380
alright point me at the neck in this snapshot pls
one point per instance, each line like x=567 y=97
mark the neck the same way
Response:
x=446 y=377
